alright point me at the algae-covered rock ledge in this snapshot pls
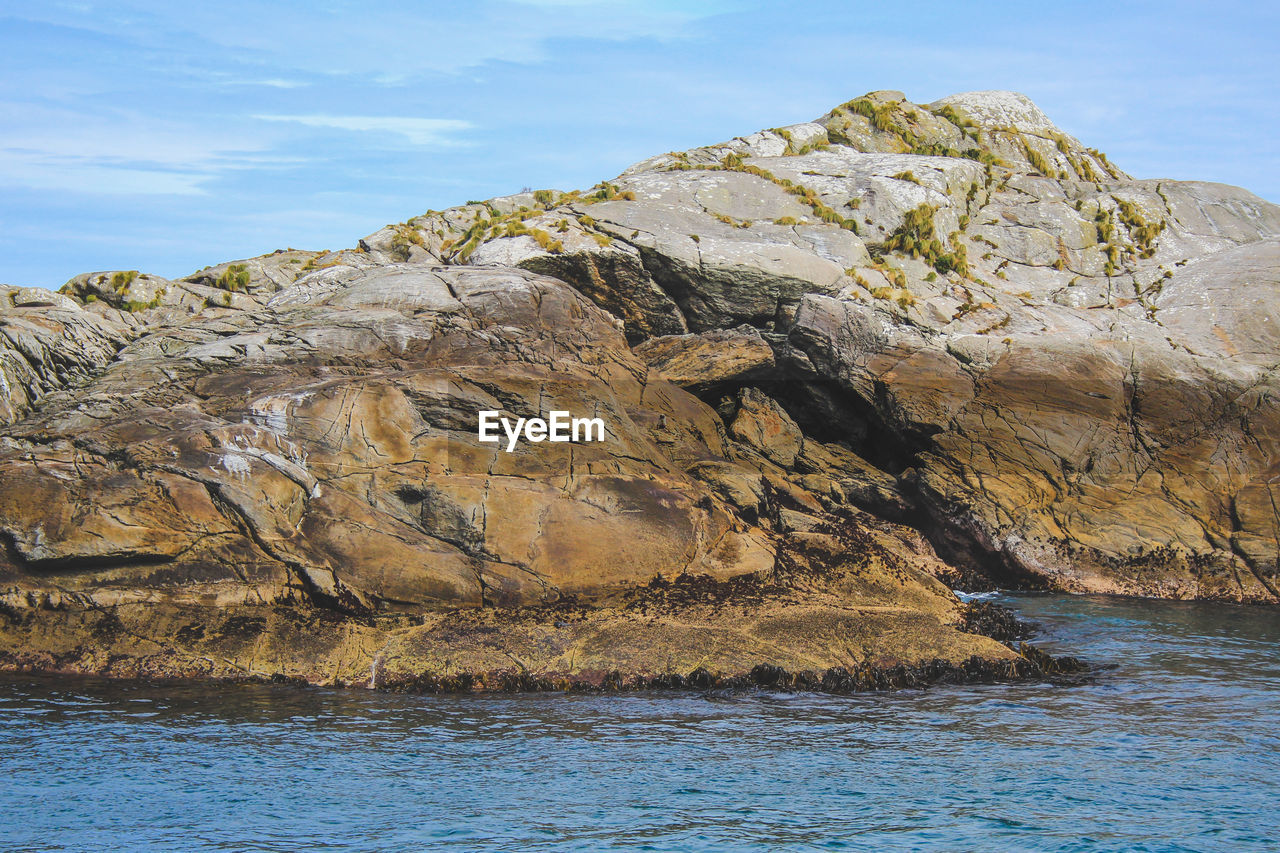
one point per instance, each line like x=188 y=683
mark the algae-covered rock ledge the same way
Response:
x=844 y=366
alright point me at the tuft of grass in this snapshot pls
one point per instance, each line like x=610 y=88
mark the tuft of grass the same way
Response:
x=917 y=237
x=315 y=264
x=896 y=276
x=786 y=135
x=120 y=281
x=133 y=305
x=1106 y=164
x=403 y=241
x=881 y=117
x=810 y=147
x=235 y=277
x=966 y=126
x=996 y=326
x=734 y=163
x=546 y=242
x=1143 y=233
x=1037 y=161
x=608 y=192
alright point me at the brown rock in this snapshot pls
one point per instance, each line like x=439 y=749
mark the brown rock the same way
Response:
x=320 y=455
x=703 y=360
x=761 y=423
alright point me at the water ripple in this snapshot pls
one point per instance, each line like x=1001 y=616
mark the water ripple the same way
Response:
x=1176 y=748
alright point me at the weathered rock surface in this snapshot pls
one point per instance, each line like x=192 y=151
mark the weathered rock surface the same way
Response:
x=320 y=452
x=48 y=342
x=1067 y=374
x=709 y=359
x=821 y=353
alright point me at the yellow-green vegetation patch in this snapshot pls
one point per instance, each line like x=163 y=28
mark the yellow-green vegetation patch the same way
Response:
x=1141 y=232
x=233 y=278
x=134 y=305
x=404 y=239
x=120 y=281
x=806 y=195
x=1037 y=161
x=893 y=120
x=918 y=237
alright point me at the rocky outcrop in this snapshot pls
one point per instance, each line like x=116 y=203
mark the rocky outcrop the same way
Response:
x=321 y=453
x=48 y=342
x=1067 y=373
x=841 y=367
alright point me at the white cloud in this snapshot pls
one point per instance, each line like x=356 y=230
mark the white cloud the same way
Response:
x=419 y=131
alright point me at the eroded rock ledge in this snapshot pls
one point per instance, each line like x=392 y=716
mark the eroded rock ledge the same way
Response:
x=845 y=366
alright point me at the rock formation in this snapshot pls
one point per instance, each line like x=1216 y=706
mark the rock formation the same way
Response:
x=842 y=365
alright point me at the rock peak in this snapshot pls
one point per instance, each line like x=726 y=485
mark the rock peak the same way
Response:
x=1000 y=108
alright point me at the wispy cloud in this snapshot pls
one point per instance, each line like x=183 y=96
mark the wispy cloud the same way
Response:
x=410 y=37
x=117 y=152
x=419 y=131
x=84 y=176
x=272 y=83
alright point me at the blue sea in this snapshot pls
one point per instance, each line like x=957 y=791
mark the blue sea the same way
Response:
x=1175 y=747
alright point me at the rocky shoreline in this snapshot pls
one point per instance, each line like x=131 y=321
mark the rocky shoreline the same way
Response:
x=114 y=653
x=841 y=368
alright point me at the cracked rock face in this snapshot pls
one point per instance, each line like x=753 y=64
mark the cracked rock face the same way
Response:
x=319 y=453
x=821 y=353
x=1069 y=373
x=328 y=442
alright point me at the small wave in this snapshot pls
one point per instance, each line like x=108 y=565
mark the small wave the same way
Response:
x=974 y=596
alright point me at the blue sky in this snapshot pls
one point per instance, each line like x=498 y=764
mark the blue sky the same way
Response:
x=165 y=137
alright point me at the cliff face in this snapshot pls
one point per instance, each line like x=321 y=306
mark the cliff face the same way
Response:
x=1067 y=374
x=821 y=352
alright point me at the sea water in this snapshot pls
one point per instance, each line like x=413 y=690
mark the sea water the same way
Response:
x=1176 y=747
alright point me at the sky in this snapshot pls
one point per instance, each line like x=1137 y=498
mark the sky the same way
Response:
x=166 y=137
